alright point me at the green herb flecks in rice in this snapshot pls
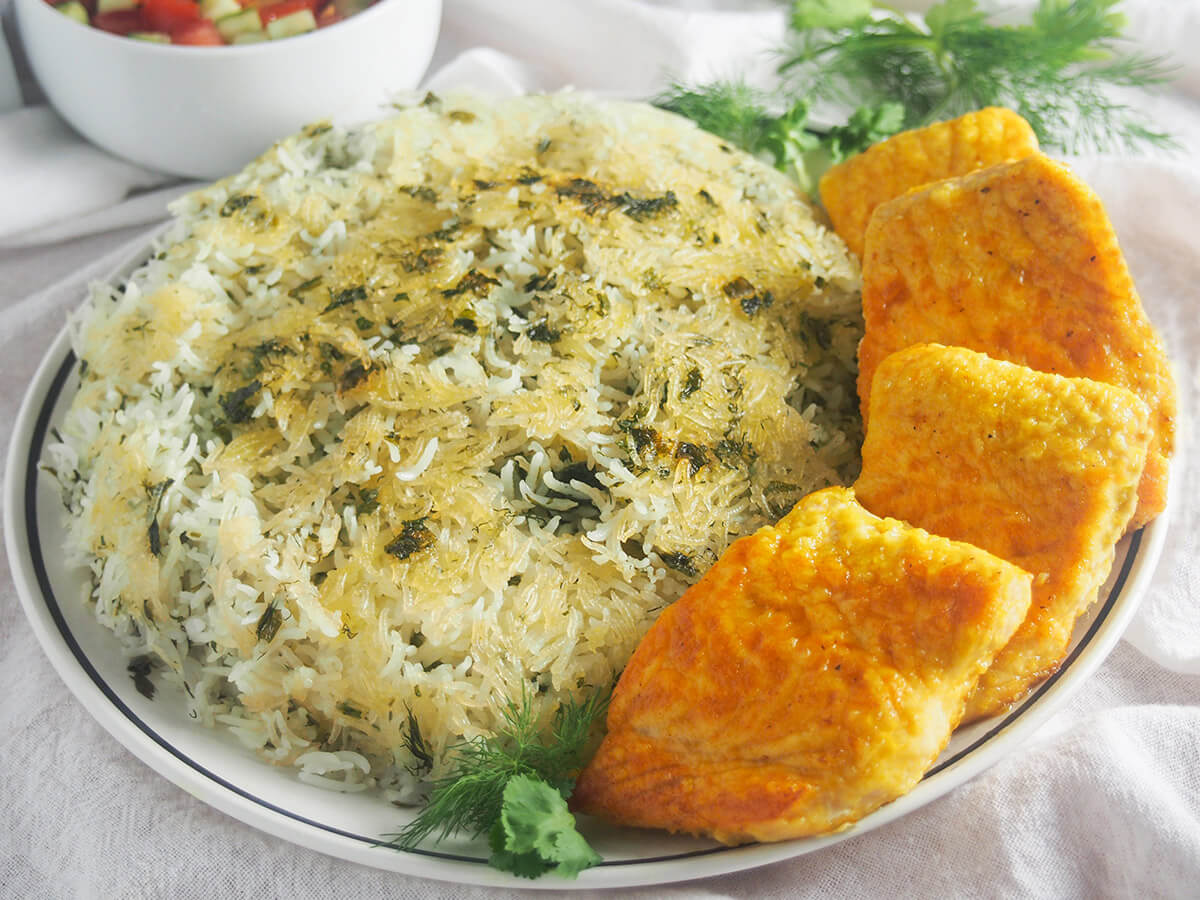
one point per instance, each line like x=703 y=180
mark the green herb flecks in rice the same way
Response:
x=445 y=406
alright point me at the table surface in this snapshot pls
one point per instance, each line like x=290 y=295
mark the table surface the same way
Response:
x=1104 y=800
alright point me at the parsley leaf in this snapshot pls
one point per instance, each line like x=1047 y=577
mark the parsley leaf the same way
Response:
x=472 y=796
x=523 y=865
x=536 y=832
x=867 y=125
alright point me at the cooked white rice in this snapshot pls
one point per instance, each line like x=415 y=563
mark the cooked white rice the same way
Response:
x=416 y=418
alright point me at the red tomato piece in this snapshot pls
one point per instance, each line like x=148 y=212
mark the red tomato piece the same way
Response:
x=169 y=15
x=121 y=21
x=328 y=15
x=271 y=11
x=198 y=34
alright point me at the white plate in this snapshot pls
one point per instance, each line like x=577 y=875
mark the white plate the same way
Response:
x=213 y=767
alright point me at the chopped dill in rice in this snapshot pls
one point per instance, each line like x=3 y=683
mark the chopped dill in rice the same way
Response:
x=403 y=422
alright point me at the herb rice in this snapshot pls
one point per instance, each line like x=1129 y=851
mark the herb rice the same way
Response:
x=404 y=423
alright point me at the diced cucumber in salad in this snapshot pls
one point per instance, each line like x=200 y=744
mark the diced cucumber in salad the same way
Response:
x=208 y=22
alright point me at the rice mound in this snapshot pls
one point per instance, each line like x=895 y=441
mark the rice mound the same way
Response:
x=406 y=422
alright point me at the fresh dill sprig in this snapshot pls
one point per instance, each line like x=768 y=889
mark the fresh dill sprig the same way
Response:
x=731 y=110
x=743 y=116
x=1055 y=71
x=470 y=797
x=899 y=71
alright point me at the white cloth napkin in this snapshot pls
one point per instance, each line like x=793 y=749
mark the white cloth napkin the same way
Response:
x=65 y=186
x=59 y=186
x=56 y=185
x=1103 y=801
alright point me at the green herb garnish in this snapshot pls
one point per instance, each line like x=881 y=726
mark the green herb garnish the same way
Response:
x=903 y=71
x=680 y=562
x=421 y=192
x=346 y=297
x=536 y=834
x=692 y=384
x=641 y=209
x=234 y=404
x=353 y=376
x=542 y=333
x=233 y=204
x=156 y=493
x=695 y=455
x=513 y=787
x=268 y=623
x=422 y=261
x=447 y=233
x=368 y=501
x=474 y=282
x=541 y=283
x=413 y=538
x=415 y=744
x=1053 y=71
x=140 y=669
x=299 y=289
x=581 y=472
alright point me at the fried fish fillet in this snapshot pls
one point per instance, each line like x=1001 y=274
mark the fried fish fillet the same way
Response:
x=1020 y=262
x=812 y=675
x=851 y=190
x=1039 y=469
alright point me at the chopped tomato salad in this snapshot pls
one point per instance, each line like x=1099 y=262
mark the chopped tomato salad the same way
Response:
x=208 y=23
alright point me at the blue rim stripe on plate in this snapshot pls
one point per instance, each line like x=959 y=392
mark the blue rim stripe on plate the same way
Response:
x=43 y=578
x=42 y=426
x=1135 y=543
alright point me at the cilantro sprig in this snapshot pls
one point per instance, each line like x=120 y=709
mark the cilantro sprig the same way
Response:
x=902 y=71
x=535 y=833
x=513 y=786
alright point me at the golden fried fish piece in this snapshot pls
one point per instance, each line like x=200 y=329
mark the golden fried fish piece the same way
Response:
x=1020 y=262
x=812 y=675
x=851 y=190
x=1039 y=469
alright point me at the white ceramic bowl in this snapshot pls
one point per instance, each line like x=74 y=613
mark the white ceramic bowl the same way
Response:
x=207 y=111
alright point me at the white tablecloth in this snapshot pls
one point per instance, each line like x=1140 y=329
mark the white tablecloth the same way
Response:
x=1103 y=801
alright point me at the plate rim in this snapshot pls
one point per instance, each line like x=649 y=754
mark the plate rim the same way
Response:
x=40 y=606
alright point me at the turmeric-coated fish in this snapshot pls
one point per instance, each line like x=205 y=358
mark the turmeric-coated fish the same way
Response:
x=851 y=190
x=812 y=675
x=1039 y=469
x=1021 y=262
